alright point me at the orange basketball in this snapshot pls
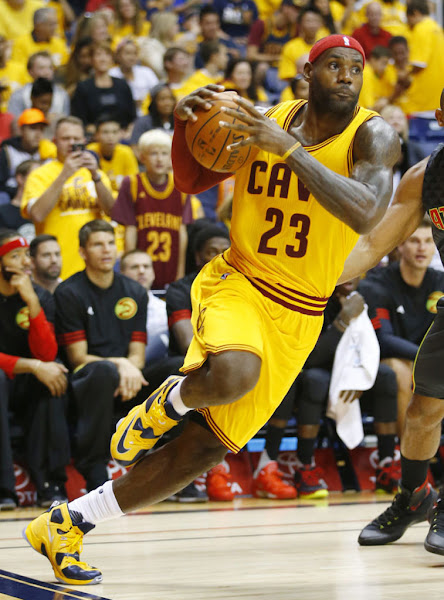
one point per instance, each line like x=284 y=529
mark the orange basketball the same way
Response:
x=208 y=141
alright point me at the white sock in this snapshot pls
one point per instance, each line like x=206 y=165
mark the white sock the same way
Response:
x=176 y=401
x=99 y=505
x=264 y=459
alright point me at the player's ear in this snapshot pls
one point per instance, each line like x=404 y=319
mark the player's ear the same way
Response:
x=308 y=69
x=439 y=117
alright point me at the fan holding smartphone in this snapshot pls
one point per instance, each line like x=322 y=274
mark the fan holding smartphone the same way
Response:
x=65 y=193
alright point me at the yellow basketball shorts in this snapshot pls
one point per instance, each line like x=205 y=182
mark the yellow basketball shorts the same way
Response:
x=230 y=314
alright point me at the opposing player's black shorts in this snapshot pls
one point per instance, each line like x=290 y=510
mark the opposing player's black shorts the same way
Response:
x=428 y=371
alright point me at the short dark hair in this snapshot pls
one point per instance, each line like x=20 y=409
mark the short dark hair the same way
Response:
x=417 y=5
x=69 y=119
x=308 y=9
x=206 y=233
x=24 y=167
x=426 y=221
x=398 y=39
x=107 y=118
x=380 y=52
x=208 y=49
x=40 y=239
x=92 y=227
x=41 y=86
x=295 y=82
x=130 y=253
x=207 y=10
x=171 y=53
x=6 y=234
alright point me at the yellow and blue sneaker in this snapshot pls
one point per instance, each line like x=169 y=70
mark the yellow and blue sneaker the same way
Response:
x=58 y=535
x=139 y=431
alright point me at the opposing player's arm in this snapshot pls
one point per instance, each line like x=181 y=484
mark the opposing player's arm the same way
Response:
x=399 y=222
x=359 y=200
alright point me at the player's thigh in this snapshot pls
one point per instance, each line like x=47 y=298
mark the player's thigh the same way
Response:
x=428 y=372
x=288 y=345
x=222 y=379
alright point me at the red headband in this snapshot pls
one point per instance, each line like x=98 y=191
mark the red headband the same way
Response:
x=20 y=242
x=335 y=41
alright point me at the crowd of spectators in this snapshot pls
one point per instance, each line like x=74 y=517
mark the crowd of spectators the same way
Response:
x=87 y=94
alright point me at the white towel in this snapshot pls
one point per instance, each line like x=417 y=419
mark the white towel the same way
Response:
x=355 y=367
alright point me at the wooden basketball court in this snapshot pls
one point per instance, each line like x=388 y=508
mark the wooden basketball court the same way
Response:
x=245 y=550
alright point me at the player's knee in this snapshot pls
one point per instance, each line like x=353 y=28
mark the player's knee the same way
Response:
x=201 y=447
x=233 y=375
x=425 y=413
x=208 y=458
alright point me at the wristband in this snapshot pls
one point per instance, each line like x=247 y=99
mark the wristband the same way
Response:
x=291 y=150
x=341 y=323
x=97 y=179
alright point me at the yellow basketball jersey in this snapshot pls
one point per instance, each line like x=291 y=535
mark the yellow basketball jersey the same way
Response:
x=290 y=247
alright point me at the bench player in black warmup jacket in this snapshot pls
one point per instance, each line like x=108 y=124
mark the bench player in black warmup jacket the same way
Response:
x=32 y=384
x=101 y=327
x=421 y=190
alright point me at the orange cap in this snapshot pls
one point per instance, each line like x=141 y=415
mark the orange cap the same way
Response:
x=31 y=116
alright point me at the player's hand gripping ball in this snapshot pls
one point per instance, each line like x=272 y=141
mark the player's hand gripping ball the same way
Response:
x=208 y=141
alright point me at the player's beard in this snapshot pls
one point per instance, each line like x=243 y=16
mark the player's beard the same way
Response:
x=326 y=102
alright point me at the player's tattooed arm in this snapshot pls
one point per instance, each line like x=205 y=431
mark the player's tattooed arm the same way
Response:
x=399 y=222
x=359 y=200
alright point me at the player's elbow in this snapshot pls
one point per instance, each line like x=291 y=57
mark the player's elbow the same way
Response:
x=187 y=186
x=365 y=219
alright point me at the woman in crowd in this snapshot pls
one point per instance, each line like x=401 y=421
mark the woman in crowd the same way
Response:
x=102 y=93
x=323 y=7
x=160 y=114
x=78 y=67
x=93 y=25
x=164 y=29
x=239 y=76
x=12 y=74
x=129 y=20
x=140 y=79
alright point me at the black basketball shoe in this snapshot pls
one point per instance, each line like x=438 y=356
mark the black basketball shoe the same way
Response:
x=434 y=541
x=406 y=509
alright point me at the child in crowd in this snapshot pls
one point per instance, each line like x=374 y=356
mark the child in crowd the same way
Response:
x=153 y=211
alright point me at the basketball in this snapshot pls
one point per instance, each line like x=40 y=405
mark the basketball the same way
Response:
x=208 y=141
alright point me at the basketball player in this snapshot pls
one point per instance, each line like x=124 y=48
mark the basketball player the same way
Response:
x=420 y=190
x=323 y=176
